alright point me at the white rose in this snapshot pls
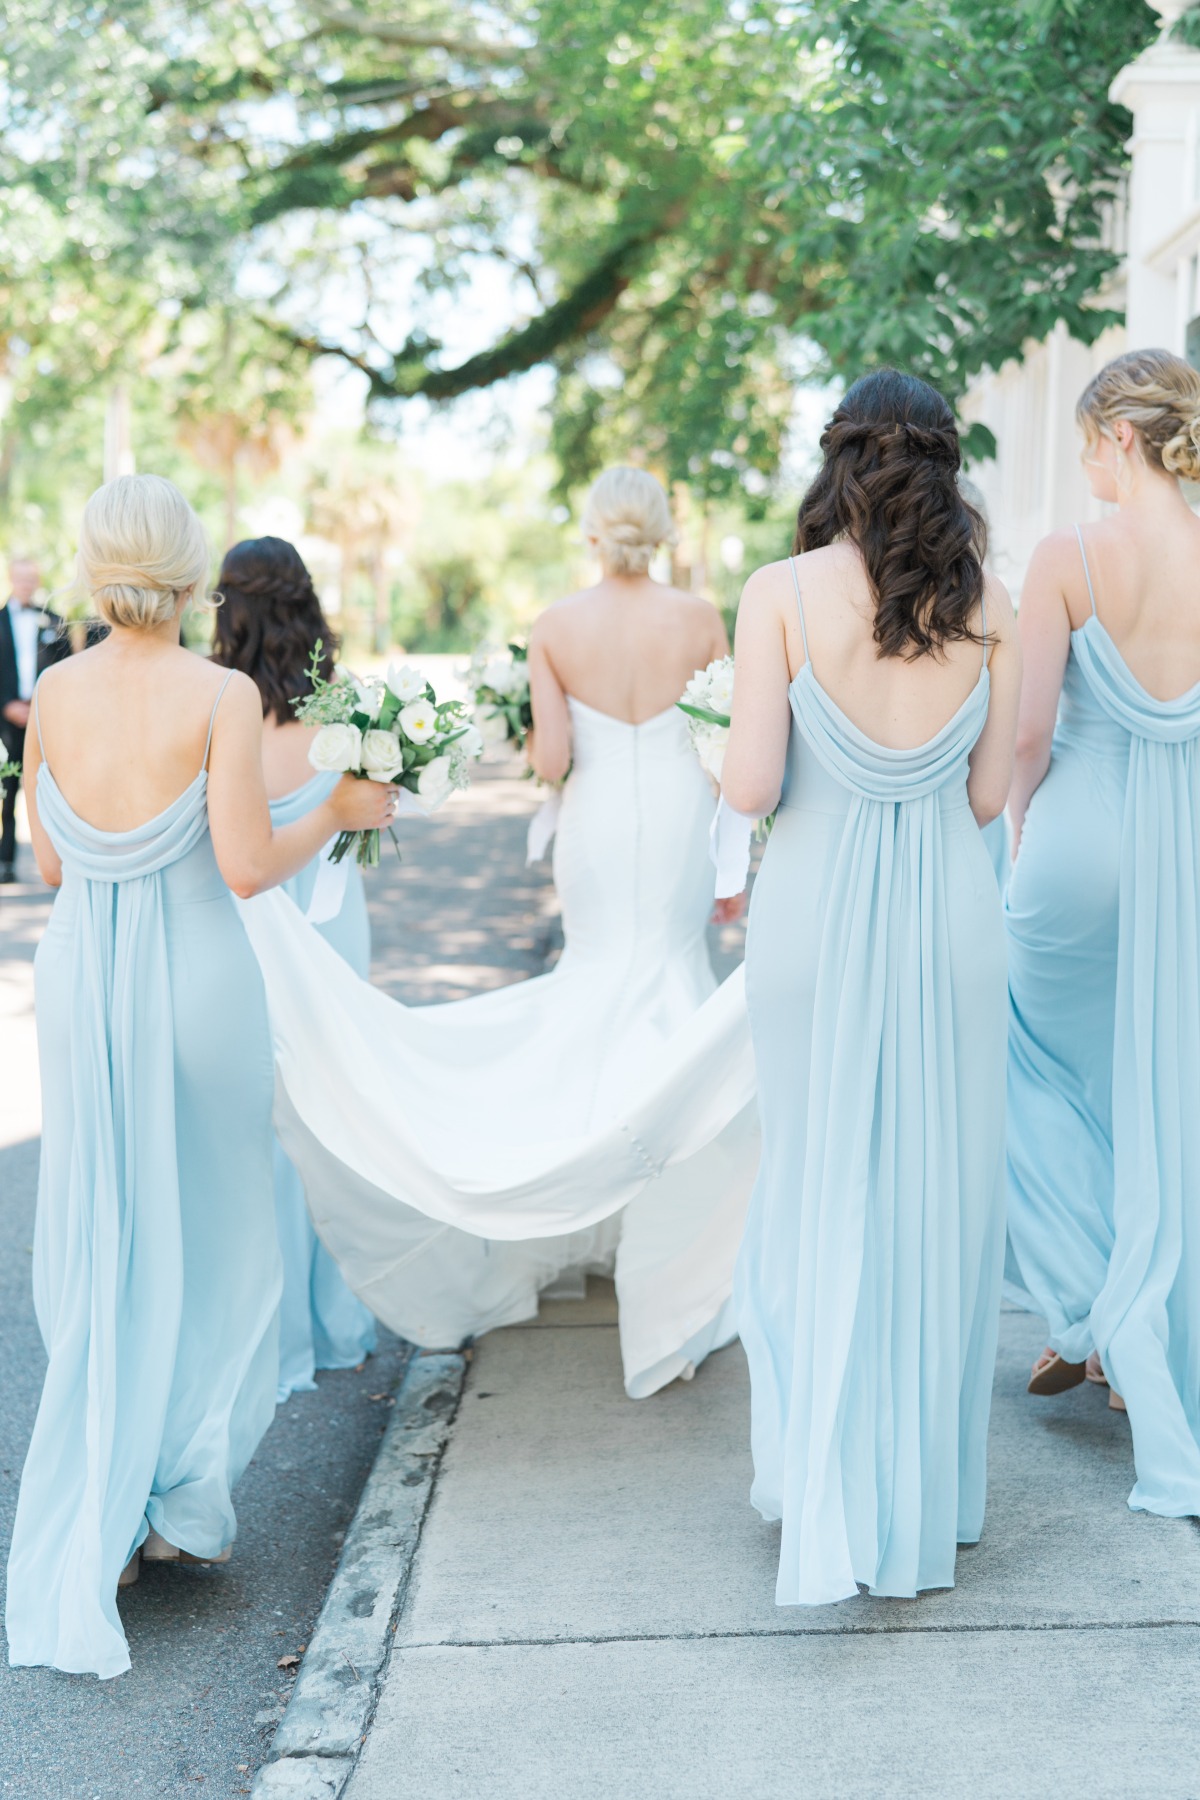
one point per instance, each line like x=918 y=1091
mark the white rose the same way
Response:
x=493 y=728
x=405 y=682
x=434 y=783
x=419 y=722
x=336 y=748
x=499 y=674
x=470 y=744
x=382 y=756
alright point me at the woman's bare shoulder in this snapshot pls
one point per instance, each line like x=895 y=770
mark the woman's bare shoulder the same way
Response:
x=560 y=613
x=998 y=600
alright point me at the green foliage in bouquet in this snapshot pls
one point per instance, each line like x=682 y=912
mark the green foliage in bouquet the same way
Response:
x=375 y=733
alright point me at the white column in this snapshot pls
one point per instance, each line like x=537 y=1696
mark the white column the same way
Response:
x=1161 y=88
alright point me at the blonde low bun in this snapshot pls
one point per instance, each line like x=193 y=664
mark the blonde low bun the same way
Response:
x=1181 y=454
x=141 y=550
x=627 y=516
x=1157 y=393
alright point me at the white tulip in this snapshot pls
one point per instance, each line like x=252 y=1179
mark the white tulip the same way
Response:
x=470 y=744
x=419 y=722
x=721 y=691
x=405 y=682
x=370 y=696
x=434 y=784
x=336 y=749
x=382 y=757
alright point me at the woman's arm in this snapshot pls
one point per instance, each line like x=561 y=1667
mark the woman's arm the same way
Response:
x=991 y=762
x=251 y=854
x=548 y=746
x=754 y=761
x=1045 y=631
x=46 y=856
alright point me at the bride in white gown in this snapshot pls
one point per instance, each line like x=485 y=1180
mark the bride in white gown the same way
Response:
x=460 y=1158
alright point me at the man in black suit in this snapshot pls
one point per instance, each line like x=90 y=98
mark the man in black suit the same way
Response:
x=30 y=640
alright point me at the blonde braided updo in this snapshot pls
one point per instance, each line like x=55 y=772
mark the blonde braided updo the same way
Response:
x=141 y=550
x=1159 y=395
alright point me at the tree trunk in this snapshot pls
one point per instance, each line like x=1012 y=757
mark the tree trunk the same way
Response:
x=231 y=501
x=681 y=550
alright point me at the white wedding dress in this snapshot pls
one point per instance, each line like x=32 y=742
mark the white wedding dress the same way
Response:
x=459 y=1158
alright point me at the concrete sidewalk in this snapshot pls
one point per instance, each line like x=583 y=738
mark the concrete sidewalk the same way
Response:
x=591 y=1610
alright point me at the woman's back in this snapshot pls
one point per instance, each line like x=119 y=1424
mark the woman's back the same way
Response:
x=1144 y=576
x=627 y=648
x=125 y=728
x=898 y=702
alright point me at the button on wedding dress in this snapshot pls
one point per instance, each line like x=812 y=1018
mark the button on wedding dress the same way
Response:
x=459 y=1158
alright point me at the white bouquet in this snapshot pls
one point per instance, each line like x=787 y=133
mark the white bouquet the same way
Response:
x=390 y=730
x=708 y=702
x=500 y=688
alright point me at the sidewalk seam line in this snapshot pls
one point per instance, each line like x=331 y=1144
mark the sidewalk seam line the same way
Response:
x=800 y=1631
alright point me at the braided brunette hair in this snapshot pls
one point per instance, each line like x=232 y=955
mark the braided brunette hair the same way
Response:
x=889 y=483
x=269 y=621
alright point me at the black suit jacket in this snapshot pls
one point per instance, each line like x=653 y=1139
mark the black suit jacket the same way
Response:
x=53 y=646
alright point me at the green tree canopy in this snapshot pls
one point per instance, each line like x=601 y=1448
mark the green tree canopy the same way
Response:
x=679 y=206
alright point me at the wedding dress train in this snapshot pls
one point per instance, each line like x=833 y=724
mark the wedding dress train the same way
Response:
x=459 y=1158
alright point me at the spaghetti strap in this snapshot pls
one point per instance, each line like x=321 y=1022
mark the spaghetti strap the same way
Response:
x=1087 y=573
x=37 y=718
x=983 y=611
x=213 y=719
x=799 y=606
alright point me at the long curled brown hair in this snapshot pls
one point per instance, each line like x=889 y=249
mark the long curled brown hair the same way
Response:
x=889 y=483
x=269 y=620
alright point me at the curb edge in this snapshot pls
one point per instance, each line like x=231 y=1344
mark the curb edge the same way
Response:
x=319 y=1738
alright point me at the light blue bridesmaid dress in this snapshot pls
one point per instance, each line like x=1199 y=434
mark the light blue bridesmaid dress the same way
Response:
x=868 y=1282
x=1103 y=918
x=322 y=1325
x=156 y=1271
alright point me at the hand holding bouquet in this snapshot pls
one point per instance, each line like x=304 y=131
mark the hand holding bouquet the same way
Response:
x=500 y=687
x=390 y=731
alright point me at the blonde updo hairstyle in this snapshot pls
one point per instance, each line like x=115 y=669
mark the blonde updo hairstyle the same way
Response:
x=141 y=551
x=1159 y=395
x=626 y=517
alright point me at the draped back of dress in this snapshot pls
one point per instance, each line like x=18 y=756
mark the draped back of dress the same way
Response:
x=867 y=1289
x=112 y=1237
x=1144 y=1321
